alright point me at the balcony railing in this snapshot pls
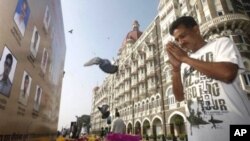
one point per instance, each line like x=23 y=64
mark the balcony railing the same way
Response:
x=222 y=20
x=141 y=78
x=133 y=69
x=149 y=55
x=133 y=82
x=151 y=71
x=141 y=63
x=127 y=88
x=127 y=75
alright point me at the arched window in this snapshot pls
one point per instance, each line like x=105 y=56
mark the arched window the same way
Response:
x=139 y=107
x=158 y=101
x=135 y=108
x=151 y=104
x=142 y=106
x=146 y=105
x=170 y=96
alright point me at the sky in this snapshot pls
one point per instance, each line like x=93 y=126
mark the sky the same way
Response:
x=99 y=28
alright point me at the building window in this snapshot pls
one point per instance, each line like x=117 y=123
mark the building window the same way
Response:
x=142 y=106
x=151 y=64
x=204 y=1
x=237 y=38
x=170 y=96
x=149 y=48
x=247 y=41
x=220 y=13
x=208 y=18
x=157 y=101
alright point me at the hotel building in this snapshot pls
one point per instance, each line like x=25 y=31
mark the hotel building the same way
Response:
x=142 y=89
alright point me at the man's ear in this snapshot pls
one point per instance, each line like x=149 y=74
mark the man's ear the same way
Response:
x=196 y=29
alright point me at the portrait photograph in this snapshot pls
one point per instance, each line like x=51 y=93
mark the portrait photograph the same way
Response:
x=7 y=71
x=46 y=19
x=35 y=41
x=21 y=16
x=37 y=99
x=25 y=88
x=44 y=60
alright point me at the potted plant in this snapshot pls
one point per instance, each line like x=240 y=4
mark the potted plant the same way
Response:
x=182 y=137
x=169 y=136
x=159 y=136
x=146 y=137
x=152 y=137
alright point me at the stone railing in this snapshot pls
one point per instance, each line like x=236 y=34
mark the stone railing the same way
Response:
x=221 y=20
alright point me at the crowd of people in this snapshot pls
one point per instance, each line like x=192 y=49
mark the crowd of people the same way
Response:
x=117 y=132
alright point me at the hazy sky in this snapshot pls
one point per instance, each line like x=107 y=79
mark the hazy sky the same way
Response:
x=99 y=27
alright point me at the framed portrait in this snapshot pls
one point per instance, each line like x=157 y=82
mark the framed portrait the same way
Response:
x=25 y=88
x=44 y=60
x=7 y=71
x=46 y=19
x=37 y=99
x=21 y=16
x=35 y=41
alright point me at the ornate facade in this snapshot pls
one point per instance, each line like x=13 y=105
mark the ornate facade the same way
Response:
x=142 y=89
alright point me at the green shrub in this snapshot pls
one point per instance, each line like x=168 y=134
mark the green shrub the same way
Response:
x=152 y=137
x=169 y=136
x=159 y=136
x=182 y=137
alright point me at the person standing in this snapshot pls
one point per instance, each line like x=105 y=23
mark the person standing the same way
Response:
x=118 y=125
x=207 y=68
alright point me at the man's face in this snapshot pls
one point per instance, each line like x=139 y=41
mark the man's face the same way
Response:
x=24 y=7
x=7 y=67
x=186 y=37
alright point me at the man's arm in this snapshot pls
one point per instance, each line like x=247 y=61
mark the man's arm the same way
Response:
x=223 y=71
x=177 y=85
x=176 y=75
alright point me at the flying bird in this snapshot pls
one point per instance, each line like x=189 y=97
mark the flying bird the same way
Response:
x=104 y=64
x=71 y=31
x=104 y=111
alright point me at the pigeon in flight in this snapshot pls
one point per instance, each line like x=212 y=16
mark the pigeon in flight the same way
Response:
x=104 y=64
x=104 y=111
x=71 y=31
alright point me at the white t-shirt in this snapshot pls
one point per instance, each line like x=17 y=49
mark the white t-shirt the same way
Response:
x=118 y=126
x=212 y=105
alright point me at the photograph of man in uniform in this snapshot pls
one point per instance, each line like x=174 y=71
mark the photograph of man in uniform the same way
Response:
x=21 y=15
x=35 y=41
x=25 y=88
x=37 y=98
x=46 y=19
x=7 y=70
x=44 y=60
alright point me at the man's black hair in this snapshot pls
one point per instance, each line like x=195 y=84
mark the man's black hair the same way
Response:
x=187 y=21
x=9 y=56
x=26 y=77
